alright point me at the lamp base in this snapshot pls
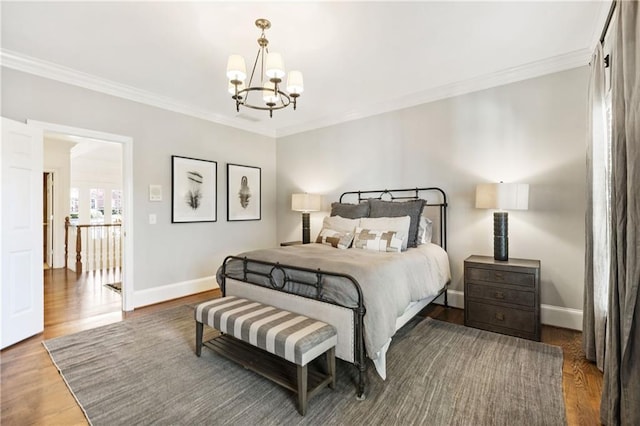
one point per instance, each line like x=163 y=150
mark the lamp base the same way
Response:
x=306 y=228
x=501 y=236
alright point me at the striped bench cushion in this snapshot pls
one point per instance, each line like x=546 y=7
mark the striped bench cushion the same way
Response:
x=294 y=337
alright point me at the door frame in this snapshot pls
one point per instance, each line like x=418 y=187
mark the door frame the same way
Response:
x=127 y=195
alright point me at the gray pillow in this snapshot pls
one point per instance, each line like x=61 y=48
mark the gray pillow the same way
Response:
x=350 y=211
x=413 y=209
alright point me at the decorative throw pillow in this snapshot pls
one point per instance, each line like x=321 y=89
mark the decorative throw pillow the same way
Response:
x=337 y=239
x=399 y=225
x=337 y=224
x=351 y=211
x=413 y=209
x=371 y=239
x=425 y=230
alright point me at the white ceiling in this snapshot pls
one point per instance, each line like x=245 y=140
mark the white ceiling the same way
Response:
x=358 y=58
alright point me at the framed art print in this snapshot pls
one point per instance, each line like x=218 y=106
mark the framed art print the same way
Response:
x=244 y=187
x=194 y=185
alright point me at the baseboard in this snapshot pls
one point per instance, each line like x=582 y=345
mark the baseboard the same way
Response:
x=173 y=291
x=455 y=299
x=561 y=317
x=550 y=315
x=556 y=316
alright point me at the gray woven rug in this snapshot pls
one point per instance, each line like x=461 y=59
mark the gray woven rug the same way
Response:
x=144 y=371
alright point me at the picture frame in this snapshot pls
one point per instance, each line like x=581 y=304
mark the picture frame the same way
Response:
x=244 y=193
x=194 y=190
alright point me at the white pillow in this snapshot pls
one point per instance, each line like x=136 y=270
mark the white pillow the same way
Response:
x=338 y=224
x=399 y=225
x=372 y=239
x=425 y=230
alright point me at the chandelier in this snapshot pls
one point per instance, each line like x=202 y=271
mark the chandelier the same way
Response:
x=269 y=96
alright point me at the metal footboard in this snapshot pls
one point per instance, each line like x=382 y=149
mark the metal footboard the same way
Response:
x=279 y=278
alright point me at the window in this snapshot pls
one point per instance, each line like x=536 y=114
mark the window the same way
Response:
x=74 y=208
x=116 y=206
x=96 y=203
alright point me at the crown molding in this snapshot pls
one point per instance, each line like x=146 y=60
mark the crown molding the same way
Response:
x=551 y=65
x=52 y=71
x=20 y=62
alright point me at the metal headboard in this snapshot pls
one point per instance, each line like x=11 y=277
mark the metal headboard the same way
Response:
x=410 y=194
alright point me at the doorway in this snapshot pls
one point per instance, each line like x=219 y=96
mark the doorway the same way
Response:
x=74 y=136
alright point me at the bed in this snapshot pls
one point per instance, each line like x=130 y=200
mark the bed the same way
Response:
x=367 y=295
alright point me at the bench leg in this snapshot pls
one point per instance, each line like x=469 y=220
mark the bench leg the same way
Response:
x=302 y=389
x=199 y=327
x=331 y=366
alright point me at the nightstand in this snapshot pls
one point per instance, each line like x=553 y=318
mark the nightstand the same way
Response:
x=290 y=243
x=503 y=296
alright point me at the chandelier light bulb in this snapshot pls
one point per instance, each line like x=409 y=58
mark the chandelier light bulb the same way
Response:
x=269 y=95
x=275 y=65
x=295 y=83
x=232 y=88
x=236 y=68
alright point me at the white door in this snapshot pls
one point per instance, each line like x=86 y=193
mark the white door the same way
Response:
x=21 y=279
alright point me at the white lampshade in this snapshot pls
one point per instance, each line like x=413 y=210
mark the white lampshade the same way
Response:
x=269 y=95
x=275 y=65
x=232 y=88
x=502 y=196
x=294 y=82
x=236 y=68
x=306 y=202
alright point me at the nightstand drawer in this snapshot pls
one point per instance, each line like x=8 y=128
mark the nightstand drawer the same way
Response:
x=502 y=316
x=500 y=294
x=498 y=276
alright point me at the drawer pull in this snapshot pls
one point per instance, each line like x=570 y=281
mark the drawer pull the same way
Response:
x=498 y=276
x=499 y=295
x=499 y=316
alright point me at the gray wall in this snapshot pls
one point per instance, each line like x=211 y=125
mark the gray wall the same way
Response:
x=164 y=253
x=531 y=131
x=528 y=132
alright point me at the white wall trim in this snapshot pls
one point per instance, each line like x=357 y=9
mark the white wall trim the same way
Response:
x=31 y=65
x=561 y=317
x=173 y=291
x=558 y=63
x=549 y=314
x=52 y=71
x=455 y=298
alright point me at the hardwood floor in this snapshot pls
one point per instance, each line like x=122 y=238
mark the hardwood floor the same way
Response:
x=33 y=393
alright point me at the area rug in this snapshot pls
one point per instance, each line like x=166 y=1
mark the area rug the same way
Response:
x=144 y=371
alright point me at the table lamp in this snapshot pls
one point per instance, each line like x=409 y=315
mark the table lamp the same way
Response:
x=306 y=203
x=502 y=196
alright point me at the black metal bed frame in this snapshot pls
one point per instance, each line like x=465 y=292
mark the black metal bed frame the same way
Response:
x=279 y=278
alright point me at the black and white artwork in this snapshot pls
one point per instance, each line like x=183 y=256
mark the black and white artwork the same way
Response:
x=243 y=192
x=193 y=190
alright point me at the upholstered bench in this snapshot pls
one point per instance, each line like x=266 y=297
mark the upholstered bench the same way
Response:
x=282 y=334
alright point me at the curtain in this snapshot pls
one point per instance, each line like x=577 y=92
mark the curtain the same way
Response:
x=597 y=220
x=621 y=388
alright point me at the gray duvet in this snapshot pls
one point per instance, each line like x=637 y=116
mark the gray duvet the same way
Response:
x=389 y=281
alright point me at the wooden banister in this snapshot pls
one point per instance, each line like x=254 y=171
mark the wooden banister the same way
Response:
x=98 y=255
x=78 y=250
